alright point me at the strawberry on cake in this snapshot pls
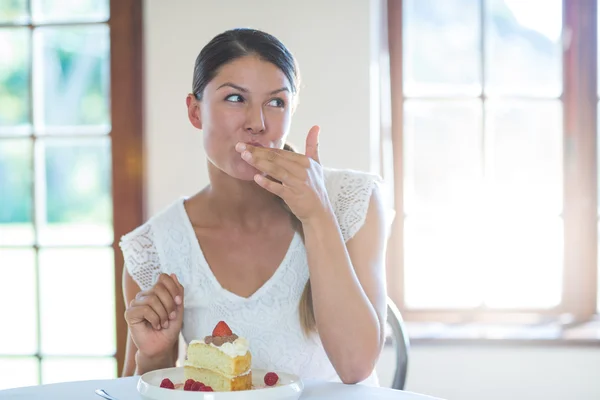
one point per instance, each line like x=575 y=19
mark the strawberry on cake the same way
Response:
x=221 y=361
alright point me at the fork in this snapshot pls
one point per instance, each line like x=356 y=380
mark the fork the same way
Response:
x=102 y=393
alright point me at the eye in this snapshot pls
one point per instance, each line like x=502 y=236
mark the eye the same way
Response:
x=277 y=103
x=234 y=98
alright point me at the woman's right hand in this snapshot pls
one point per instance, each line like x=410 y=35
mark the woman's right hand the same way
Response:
x=155 y=316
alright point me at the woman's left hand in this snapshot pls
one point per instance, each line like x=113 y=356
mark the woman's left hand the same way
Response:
x=296 y=178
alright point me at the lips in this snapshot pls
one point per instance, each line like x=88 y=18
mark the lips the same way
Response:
x=255 y=144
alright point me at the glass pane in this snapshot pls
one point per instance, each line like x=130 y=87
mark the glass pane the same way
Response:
x=77 y=208
x=442 y=154
x=442 y=51
x=523 y=47
x=75 y=321
x=18 y=302
x=523 y=261
x=14 y=79
x=56 y=370
x=13 y=11
x=524 y=141
x=16 y=203
x=72 y=79
x=18 y=372
x=456 y=262
x=70 y=10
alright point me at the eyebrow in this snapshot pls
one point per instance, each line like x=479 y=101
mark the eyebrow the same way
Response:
x=244 y=90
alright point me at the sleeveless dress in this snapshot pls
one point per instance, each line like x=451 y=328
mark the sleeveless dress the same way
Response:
x=269 y=318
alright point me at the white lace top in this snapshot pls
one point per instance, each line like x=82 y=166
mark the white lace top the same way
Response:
x=269 y=318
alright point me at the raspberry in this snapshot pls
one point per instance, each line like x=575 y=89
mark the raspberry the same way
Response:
x=197 y=387
x=222 y=329
x=167 y=384
x=271 y=378
x=206 y=389
x=188 y=384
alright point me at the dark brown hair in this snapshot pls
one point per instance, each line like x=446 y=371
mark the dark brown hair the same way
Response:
x=236 y=43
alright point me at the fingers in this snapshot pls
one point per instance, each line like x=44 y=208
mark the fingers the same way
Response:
x=158 y=305
x=288 y=155
x=173 y=286
x=140 y=312
x=312 y=143
x=274 y=187
x=275 y=163
x=179 y=310
x=163 y=300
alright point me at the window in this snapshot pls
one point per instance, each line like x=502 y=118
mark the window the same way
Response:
x=70 y=183
x=494 y=115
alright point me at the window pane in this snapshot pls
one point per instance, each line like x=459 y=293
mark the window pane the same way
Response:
x=523 y=261
x=18 y=302
x=75 y=320
x=524 y=141
x=523 y=47
x=13 y=11
x=70 y=10
x=497 y=259
x=72 y=79
x=18 y=372
x=78 y=203
x=442 y=48
x=56 y=370
x=443 y=261
x=14 y=79
x=442 y=154
x=16 y=180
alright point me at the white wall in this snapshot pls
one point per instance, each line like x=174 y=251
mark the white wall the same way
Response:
x=497 y=372
x=331 y=39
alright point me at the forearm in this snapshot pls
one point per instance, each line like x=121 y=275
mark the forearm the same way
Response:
x=346 y=320
x=146 y=364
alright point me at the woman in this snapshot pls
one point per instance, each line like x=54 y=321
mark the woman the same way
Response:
x=289 y=254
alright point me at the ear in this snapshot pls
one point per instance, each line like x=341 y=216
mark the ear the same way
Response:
x=194 y=114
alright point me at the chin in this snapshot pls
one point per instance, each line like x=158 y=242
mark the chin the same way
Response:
x=242 y=171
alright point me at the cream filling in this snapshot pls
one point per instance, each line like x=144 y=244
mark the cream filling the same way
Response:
x=239 y=347
x=187 y=363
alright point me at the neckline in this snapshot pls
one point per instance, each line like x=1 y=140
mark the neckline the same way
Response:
x=208 y=270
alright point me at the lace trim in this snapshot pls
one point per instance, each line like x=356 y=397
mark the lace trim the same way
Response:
x=350 y=192
x=141 y=256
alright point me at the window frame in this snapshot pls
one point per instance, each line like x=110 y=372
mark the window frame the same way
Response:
x=128 y=173
x=580 y=212
x=127 y=138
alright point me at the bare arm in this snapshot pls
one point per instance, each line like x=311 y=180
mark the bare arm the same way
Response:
x=348 y=281
x=348 y=289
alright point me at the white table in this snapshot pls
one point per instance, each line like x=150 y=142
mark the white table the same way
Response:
x=125 y=389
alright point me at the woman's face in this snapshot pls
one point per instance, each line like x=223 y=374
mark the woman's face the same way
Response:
x=250 y=101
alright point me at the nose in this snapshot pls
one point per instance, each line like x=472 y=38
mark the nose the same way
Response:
x=255 y=121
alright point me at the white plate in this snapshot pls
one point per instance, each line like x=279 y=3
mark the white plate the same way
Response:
x=289 y=387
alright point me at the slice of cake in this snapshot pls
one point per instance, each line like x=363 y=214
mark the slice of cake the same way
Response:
x=221 y=361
